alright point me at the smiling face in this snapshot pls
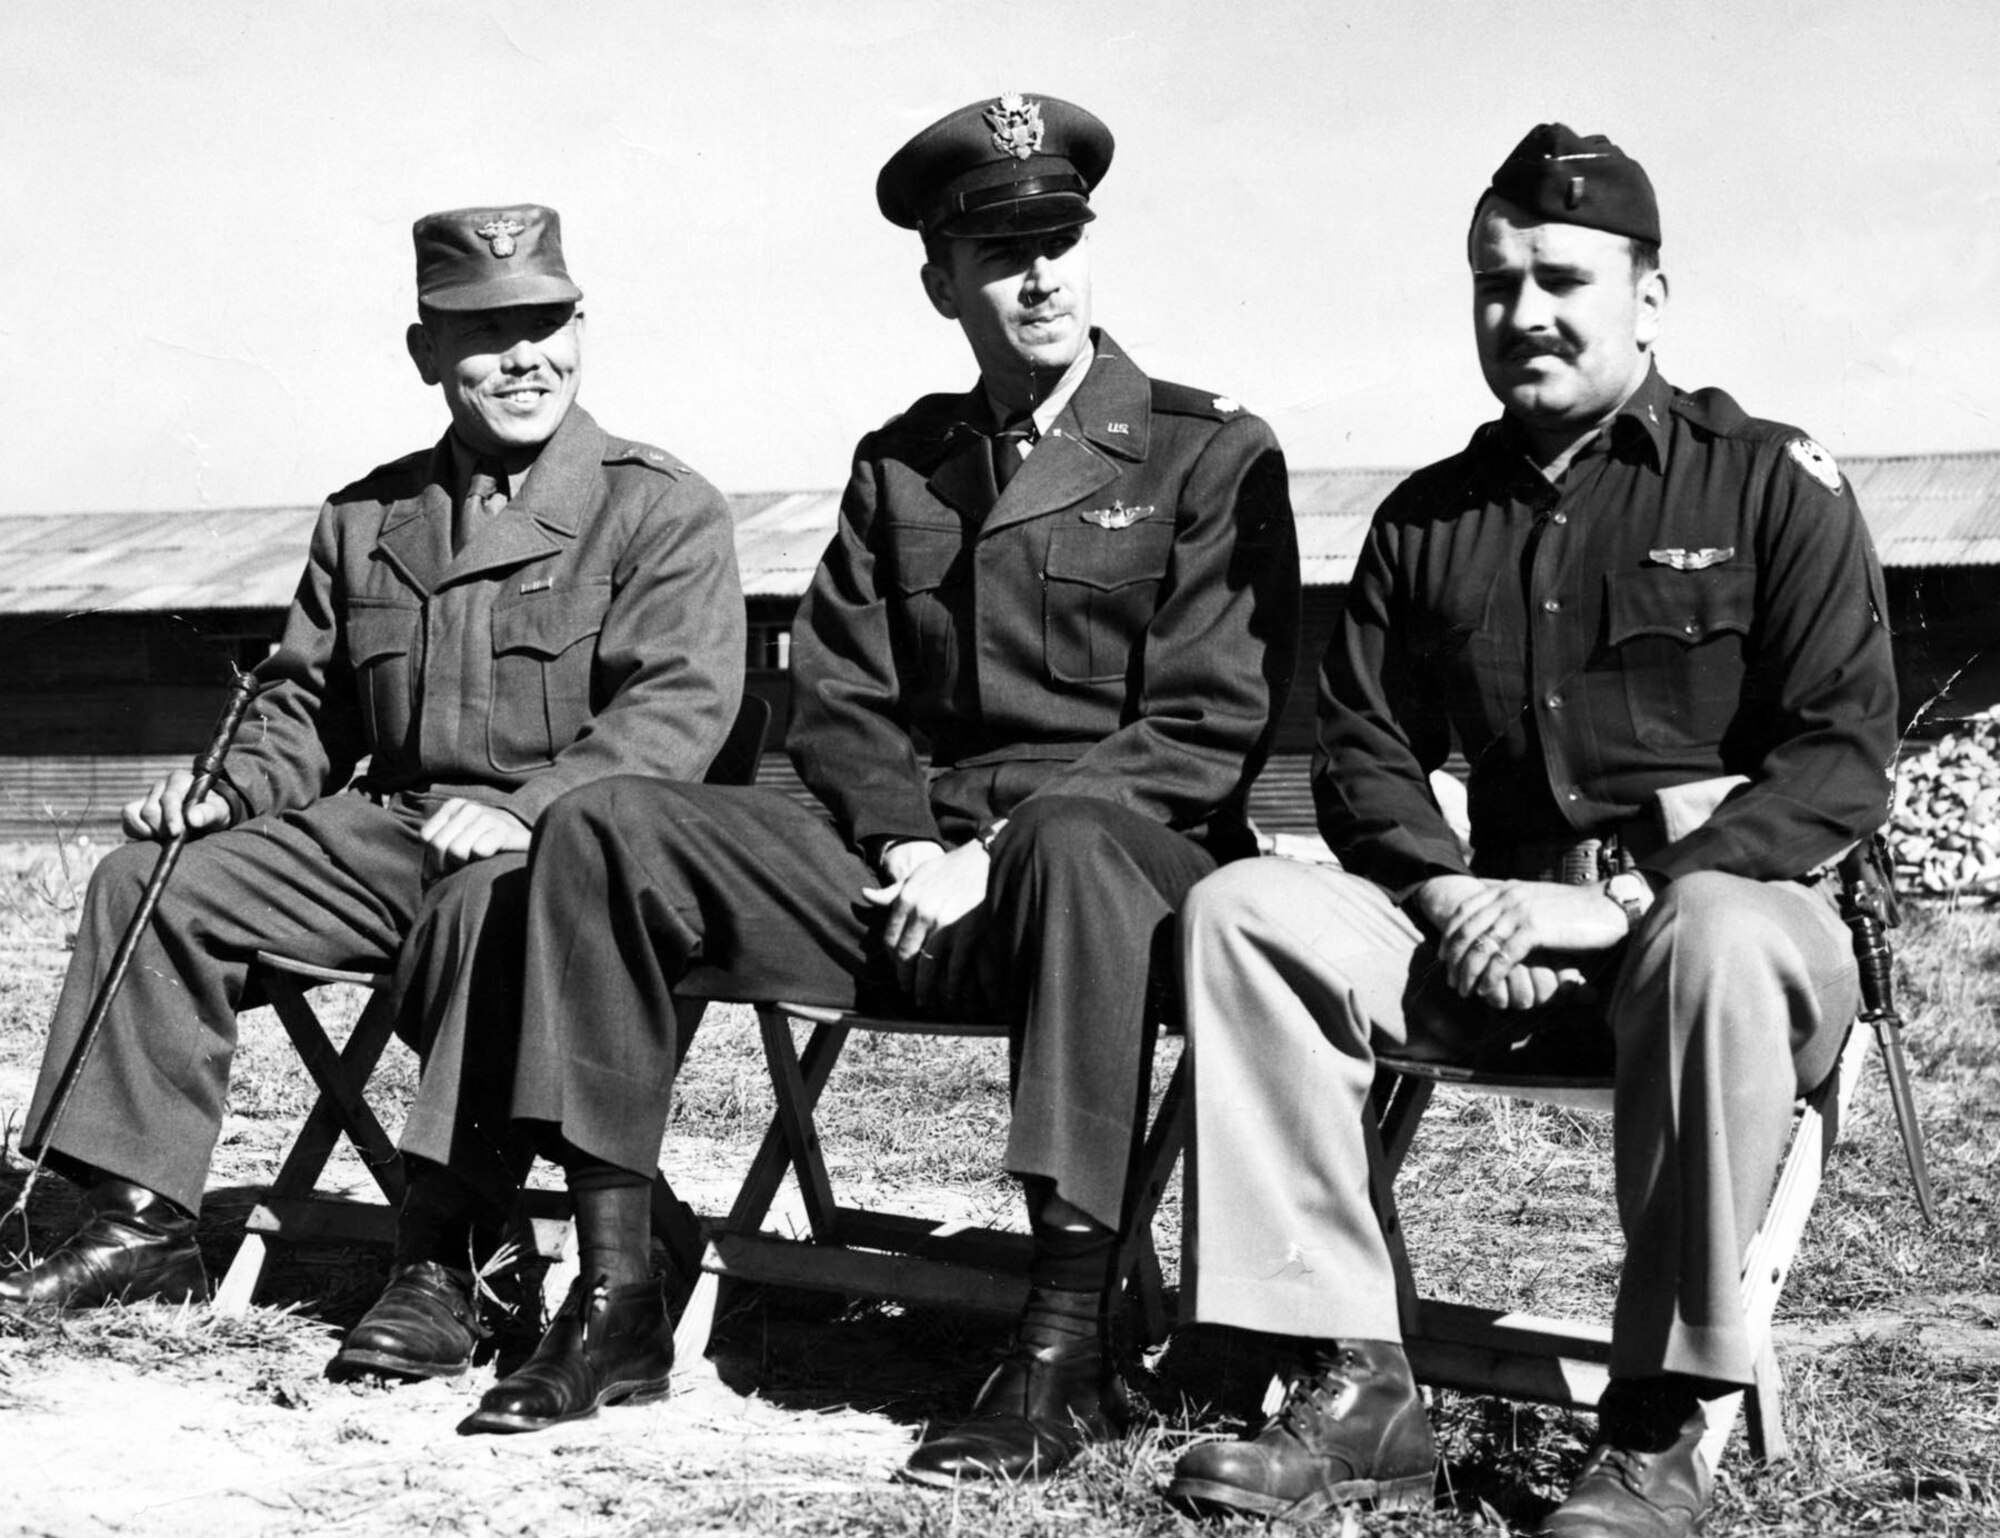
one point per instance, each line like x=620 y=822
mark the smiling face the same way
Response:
x=508 y=375
x=1023 y=303
x=1563 y=320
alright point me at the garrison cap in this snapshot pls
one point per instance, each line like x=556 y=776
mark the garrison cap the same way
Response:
x=1019 y=165
x=489 y=258
x=1566 y=178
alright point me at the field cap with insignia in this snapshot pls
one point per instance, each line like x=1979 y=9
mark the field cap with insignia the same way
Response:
x=1018 y=165
x=1566 y=178
x=490 y=258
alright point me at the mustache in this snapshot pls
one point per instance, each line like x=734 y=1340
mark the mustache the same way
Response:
x=1522 y=348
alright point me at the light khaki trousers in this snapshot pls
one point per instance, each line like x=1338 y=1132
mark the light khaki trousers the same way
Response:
x=1730 y=1001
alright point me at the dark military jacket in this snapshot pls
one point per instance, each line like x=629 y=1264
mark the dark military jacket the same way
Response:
x=594 y=627
x=1121 y=624
x=1698 y=598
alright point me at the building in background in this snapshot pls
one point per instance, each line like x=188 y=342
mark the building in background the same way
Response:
x=118 y=631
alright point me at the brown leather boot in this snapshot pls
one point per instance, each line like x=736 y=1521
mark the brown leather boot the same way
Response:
x=1352 y=1431
x=134 y=1245
x=1646 y=1477
x=425 y=1325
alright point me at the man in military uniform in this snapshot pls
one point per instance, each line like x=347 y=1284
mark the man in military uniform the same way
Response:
x=1075 y=589
x=1624 y=601
x=525 y=607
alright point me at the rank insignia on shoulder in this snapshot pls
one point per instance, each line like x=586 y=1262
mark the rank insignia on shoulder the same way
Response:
x=1116 y=516
x=1816 y=462
x=1691 y=560
x=1226 y=404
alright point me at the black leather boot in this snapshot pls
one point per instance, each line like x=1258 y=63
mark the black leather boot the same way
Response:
x=1352 y=1431
x=425 y=1325
x=1036 y=1412
x=134 y=1245
x=1646 y=1477
x=606 y=1345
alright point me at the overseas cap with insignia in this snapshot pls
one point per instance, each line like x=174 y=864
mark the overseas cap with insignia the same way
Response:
x=1566 y=178
x=489 y=258
x=1019 y=165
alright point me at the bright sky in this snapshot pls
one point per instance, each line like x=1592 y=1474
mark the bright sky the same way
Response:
x=205 y=270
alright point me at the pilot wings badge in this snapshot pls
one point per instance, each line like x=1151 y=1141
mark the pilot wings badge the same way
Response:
x=1691 y=560
x=1116 y=516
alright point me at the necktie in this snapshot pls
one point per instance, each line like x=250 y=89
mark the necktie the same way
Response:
x=1006 y=446
x=483 y=498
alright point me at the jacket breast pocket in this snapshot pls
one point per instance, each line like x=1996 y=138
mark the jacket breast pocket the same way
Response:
x=1099 y=592
x=1679 y=640
x=542 y=665
x=929 y=572
x=381 y=642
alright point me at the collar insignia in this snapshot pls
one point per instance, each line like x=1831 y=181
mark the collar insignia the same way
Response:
x=499 y=234
x=1691 y=560
x=1117 y=515
x=1225 y=404
x=1816 y=462
x=1017 y=125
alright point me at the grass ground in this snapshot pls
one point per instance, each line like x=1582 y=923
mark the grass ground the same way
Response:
x=158 y=1420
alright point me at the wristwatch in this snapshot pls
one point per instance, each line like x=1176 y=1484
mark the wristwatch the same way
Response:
x=1633 y=892
x=988 y=832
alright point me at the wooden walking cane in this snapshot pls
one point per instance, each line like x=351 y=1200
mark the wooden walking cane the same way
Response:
x=207 y=764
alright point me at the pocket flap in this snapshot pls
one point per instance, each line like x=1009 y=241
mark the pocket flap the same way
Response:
x=549 y=622
x=1108 y=559
x=378 y=631
x=1686 y=605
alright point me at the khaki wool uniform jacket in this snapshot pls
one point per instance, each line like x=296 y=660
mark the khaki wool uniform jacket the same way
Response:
x=593 y=627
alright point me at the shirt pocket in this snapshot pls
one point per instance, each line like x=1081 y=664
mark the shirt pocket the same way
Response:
x=1678 y=638
x=542 y=671
x=381 y=645
x=1100 y=589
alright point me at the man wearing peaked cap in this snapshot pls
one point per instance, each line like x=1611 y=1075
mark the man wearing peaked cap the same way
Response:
x=1678 y=706
x=526 y=606
x=1036 y=671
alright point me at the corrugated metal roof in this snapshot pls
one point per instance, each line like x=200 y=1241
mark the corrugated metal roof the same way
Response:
x=1924 y=510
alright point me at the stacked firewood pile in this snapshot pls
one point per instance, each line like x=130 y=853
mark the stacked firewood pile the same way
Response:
x=1945 y=835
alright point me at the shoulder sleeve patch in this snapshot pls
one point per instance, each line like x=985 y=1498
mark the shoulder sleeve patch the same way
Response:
x=1816 y=462
x=619 y=452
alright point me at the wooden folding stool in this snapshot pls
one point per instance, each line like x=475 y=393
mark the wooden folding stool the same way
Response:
x=1564 y=1362
x=891 y=1254
x=293 y=1208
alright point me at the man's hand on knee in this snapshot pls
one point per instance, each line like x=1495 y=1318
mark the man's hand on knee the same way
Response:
x=462 y=831
x=1489 y=936
x=158 y=814
x=937 y=917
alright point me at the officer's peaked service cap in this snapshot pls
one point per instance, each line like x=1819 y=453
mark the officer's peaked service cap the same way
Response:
x=1565 y=177
x=1017 y=165
x=490 y=258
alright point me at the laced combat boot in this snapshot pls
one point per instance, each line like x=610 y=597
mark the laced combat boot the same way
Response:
x=1646 y=1477
x=1352 y=1431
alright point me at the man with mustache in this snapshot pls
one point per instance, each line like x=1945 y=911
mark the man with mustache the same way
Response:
x=528 y=605
x=1035 y=674
x=1655 y=625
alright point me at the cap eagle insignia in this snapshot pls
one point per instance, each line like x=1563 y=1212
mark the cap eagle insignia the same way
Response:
x=1017 y=125
x=499 y=234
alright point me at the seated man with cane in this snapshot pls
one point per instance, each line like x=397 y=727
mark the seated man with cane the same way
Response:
x=528 y=605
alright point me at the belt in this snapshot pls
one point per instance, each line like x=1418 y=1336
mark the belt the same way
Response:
x=1572 y=862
